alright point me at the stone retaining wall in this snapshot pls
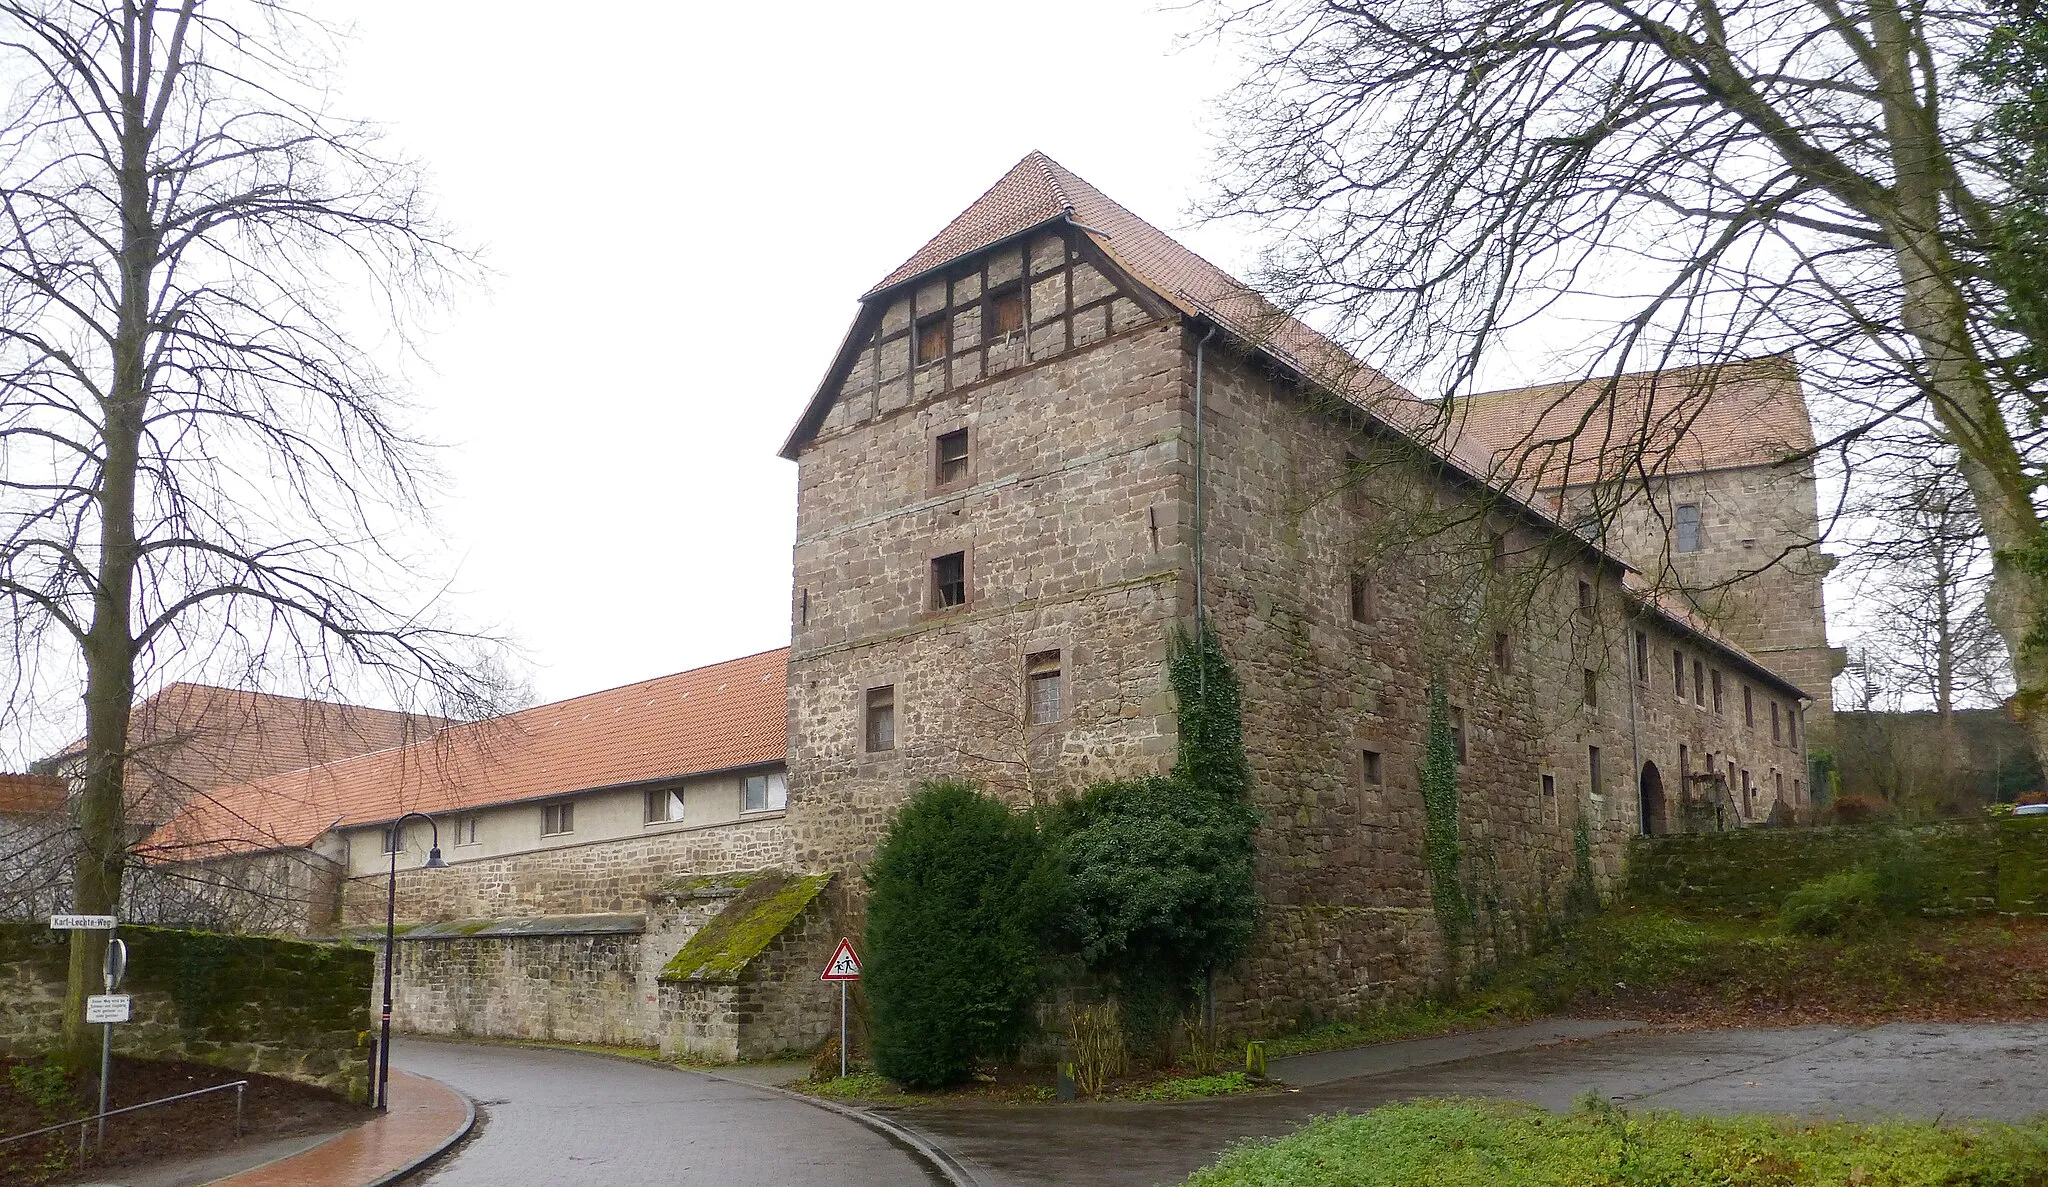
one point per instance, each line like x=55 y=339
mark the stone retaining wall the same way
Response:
x=1974 y=865
x=283 y=1008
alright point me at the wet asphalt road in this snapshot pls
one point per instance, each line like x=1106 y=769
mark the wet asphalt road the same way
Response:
x=560 y=1118
x=1911 y=1069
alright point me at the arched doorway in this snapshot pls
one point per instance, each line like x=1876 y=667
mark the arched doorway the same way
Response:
x=1654 y=824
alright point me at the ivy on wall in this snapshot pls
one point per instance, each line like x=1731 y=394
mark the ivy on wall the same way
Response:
x=1441 y=850
x=1207 y=703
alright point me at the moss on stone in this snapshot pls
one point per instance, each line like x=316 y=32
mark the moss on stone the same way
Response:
x=767 y=903
x=713 y=885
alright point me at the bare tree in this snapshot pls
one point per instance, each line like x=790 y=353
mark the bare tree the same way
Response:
x=1694 y=180
x=1921 y=582
x=200 y=464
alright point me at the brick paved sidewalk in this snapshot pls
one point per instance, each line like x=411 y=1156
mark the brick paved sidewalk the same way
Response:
x=425 y=1118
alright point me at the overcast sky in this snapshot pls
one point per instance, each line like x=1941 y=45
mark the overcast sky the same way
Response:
x=681 y=204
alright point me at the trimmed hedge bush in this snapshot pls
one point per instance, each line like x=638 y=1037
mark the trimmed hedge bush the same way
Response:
x=958 y=900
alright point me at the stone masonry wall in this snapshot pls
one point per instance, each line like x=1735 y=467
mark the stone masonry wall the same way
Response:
x=1972 y=865
x=1071 y=519
x=1300 y=503
x=562 y=988
x=609 y=875
x=776 y=1007
x=255 y=1004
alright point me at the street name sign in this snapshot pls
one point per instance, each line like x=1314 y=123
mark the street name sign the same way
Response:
x=845 y=966
x=107 y=1007
x=81 y=923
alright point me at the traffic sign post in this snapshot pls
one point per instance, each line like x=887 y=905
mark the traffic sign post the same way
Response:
x=843 y=967
x=107 y=1009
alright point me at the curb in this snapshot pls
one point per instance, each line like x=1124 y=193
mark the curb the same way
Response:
x=936 y=1159
x=461 y=1132
x=389 y=1177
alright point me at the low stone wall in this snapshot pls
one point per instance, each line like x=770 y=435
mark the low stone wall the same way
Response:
x=1975 y=865
x=256 y=1004
x=564 y=979
x=749 y=987
x=611 y=875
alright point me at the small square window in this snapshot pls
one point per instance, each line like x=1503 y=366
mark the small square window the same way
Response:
x=662 y=805
x=1688 y=527
x=764 y=792
x=1364 y=599
x=466 y=830
x=880 y=718
x=933 y=336
x=556 y=819
x=949 y=457
x=391 y=839
x=949 y=580
x=1590 y=694
x=1458 y=732
x=1042 y=687
x=1699 y=684
x=1005 y=312
x=1503 y=652
x=1369 y=767
x=1549 y=786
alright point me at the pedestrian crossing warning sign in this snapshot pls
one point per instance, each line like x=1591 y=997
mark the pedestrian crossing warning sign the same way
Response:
x=844 y=966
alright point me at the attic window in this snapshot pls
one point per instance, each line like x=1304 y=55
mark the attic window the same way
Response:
x=1006 y=312
x=932 y=339
x=949 y=464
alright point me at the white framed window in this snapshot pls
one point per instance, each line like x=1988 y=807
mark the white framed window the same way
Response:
x=466 y=829
x=1042 y=684
x=662 y=805
x=879 y=713
x=764 y=792
x=556 y=819
x=390 y=841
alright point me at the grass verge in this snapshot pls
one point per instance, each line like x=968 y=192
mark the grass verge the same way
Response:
x=1459 y=1143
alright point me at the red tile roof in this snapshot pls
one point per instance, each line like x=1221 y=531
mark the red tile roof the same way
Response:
x=1680 y=420
x=31 y=793
x=727 y=715
x=191 y=737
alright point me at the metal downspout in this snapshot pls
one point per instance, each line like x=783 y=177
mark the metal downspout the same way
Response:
x=1201 y=609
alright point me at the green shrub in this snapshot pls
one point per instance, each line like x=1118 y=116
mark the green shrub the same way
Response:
x=1841 y=903
x=958 y=899
x=47 y=1086
x=1160 y=891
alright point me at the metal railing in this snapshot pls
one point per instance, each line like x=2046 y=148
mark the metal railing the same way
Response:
x=82 y=1122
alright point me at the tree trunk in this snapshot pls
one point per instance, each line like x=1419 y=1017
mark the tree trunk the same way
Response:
x=109 y=644
x=1933 y=312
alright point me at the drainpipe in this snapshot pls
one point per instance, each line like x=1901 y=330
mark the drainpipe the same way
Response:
x=1201 y=610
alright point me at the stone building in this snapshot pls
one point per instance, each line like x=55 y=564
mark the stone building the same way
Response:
x=1053 y=432
x=1052 y=435
x=1701 y=478
x=185 y=740
x=587 y=843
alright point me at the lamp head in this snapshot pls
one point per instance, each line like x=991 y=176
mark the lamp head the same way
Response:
x=434 y=861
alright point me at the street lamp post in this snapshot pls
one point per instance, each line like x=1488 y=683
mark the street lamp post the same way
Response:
x=433 y=862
